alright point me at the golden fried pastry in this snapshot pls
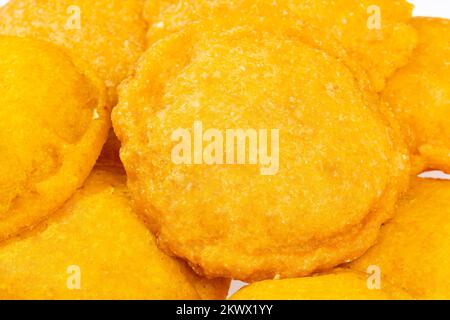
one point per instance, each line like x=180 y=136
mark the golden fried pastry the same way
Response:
x=374 y=32
x=109 y=34
x=419 y=95
x=208 y=289
x=54 y=122
x=95 y=247
x=412 y=251
x=339 y=285
x=304 y=200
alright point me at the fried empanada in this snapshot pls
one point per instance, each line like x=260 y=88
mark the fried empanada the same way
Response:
x=339 y=285
x=419 y=95
x=108 y=34
x=95 y=247
x=54 y=122
x=375 y=33
x=319 y=206
x=412 y=252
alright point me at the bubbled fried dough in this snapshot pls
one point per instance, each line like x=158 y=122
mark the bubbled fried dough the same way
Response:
x=338 y=285
x=54 y=121
x=108 y=34
x=412 y=251
x=375 y=33
x=97 y=243
x=419 y=95
x=325 y=204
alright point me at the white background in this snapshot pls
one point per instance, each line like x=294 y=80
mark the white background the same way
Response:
x=432 y=8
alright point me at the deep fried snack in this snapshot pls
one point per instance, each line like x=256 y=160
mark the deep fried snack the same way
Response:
x=96 y=247
x=374 y=32
x=322 y=207
x=339 y=285
x=109 y=34
x=54 y=122
x=412 y=251
x=419 y=94
x=208 y=289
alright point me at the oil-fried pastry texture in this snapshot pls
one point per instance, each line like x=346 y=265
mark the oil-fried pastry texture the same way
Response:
x=419 y=95
x=339 y=285
x=108 y=34
x=374 y=32
x=54 y=122
x=323 y=205
x=96 y=247
x=412 y=251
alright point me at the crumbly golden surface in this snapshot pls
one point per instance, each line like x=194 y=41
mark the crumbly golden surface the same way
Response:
x=374 y=32
x=54 y=121
x=339 y=285
x=323 y=207
x=412 y=251
x=108 y=34
x=419 y=95
x=96 y=247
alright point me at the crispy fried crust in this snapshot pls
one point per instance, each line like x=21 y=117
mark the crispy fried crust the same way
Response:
x=412 y=251
x=380 y=49
x=54 y=123
x=324 y=206
x=110 y=34
x=419 y=95
x=339 y=285
x=115 y=255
